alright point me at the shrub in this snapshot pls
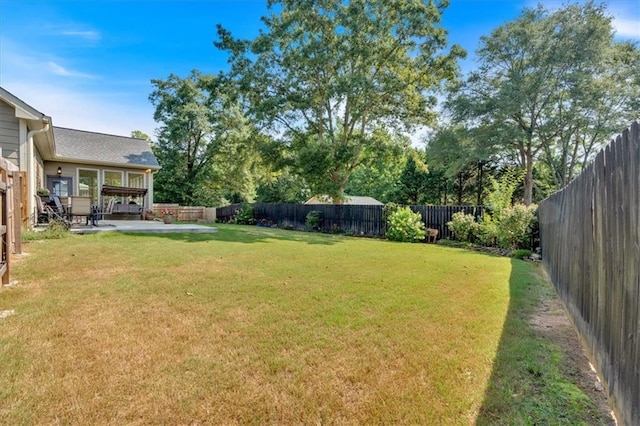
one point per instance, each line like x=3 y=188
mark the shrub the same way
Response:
x=515 y=226
x=463 y=226
x=521 y=254
x=389 y=208
x=486 y=231
x=244 y=216
x=509 y=228
x=55 y=230
x=405 y=225
x=501 y=194
x=313 y=220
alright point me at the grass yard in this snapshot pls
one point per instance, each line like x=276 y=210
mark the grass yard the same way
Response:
x=265 y=326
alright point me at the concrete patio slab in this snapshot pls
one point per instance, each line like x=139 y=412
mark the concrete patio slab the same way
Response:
x=142 y=227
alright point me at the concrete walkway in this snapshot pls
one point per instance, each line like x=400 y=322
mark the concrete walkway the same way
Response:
x=141 y=227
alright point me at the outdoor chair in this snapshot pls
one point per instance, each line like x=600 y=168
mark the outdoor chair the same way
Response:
x=81 y=207
x=108 y=209
x=56 y=205
x=53 y=210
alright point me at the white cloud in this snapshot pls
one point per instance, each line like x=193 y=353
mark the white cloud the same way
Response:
x=75 y=99
x=87 y=35
x=627 y=28
x=58 y=69
x=625 y=14
x=23 y=62
x=86 y=109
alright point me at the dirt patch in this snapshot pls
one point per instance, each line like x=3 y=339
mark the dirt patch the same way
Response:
x=552 y=322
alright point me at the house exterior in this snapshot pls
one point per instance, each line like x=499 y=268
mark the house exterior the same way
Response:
x=70 y=162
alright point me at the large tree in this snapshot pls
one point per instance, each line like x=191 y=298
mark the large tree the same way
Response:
x=412 y=182
x=380 y=178
x=602 y=102
x=541 y=84
x=464 y=156
x=325 y=75
x=205 y=142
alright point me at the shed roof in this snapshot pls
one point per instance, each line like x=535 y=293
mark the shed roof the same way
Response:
x=355 y=200
x=91 y=147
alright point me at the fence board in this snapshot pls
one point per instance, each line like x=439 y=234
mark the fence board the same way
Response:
x=16 y=213
x=185 y=213
x=590 y=240
x=5 y=256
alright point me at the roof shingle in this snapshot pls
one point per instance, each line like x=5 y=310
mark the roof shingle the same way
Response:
x=80 y=145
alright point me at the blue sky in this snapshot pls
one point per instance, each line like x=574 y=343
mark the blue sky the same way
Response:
x=88 y=63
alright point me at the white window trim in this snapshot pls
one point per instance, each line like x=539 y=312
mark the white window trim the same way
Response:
x=144 y=178
x=76 y=189
x=104 y=179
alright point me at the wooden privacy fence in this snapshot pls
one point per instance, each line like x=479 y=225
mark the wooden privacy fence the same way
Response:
x=10 y=216
x=590 y=240
x=350 y=219
x=5 y=231
x=187 y=213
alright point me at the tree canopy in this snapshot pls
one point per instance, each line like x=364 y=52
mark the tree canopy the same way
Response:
x=549 y=86
x=328 y=77
x=322 y=101
x=205 y=144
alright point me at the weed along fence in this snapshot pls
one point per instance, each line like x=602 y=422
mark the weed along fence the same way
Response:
x=349 y=219
x=590 y=240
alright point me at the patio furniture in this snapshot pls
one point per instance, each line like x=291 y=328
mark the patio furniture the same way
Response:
x=126 y=209
x=82 y=207
x=115 y=209
x=52 y=210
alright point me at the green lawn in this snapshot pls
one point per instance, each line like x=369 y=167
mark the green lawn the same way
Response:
x=254 y=326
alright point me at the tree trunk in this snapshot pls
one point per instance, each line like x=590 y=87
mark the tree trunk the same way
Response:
x=446 y=188
x=528 y=180
x=480 y=169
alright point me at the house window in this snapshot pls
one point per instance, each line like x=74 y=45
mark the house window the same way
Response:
x=60 y=186
x=88 y=184
x=136 y=180
x=112 y=178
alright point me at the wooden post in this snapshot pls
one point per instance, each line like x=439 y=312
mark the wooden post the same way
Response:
x=25 y=214
x=16 y=212
x=5 y=258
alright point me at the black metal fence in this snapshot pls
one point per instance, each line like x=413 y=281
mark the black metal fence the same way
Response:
x=590 y=240
x=348 y=219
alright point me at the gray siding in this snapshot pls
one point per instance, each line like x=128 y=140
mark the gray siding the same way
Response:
x=9 y=133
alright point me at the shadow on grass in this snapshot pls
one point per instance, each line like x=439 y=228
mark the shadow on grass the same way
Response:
x=527 y=385
x=249 y=234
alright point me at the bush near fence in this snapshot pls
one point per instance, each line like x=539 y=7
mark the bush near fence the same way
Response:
x=356 y=220
x=590 y=240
